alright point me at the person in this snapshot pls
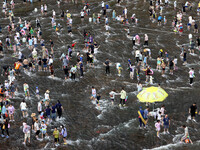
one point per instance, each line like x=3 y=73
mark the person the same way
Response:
x=53 y=112
x=73 y=72
x=43 y=129
x=56 y=136
x=166 y=123
x=157 y=125
x=191 y=75
x=36 y=128
x=162 y=110
x=11 y=111
x=27 y=133
x=119 y=69
x=5 y=126
x=186 y=137
x=148 y=73
x=98 y=98
x=39 y=107
x=93 y=93
x=26 y=90
x=122 y=97
x=146 y=114
x=37 y=93
x=139 y=87
x=107 y=64
x=112 y=96
x=132 y=68
x=139 y=117
x=46 y=97
x=193 y=111
x=59 y=109
x=48 y=114
x=64 y=134
x=23 y=108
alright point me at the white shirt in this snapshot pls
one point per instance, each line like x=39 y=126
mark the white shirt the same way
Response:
x=46 y=96
x=82 y=13
x=125 y=11
x=50 y=61
x=112 y=94
x=39 y=106
x=26 y=87
x=137 y=53
x=102 y=4
x=94 y=92
x=186 y=131
x=191 y=74
x=54 y=13
x=35 y=40
x=162 y=110
x=45 y=7
x=107 y=27
x=23 y=105
x=36 y=126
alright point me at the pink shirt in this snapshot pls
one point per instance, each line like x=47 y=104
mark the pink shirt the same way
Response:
x=157 y=125
x=11 y=109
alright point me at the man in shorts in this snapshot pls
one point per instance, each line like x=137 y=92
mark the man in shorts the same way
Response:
x=56 y=136
x=166 y=123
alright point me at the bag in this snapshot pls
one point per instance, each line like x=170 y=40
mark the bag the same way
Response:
x=187 y=140
x=3 y=127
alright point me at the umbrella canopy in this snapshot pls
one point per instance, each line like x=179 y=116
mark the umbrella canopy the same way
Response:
x=152 y=94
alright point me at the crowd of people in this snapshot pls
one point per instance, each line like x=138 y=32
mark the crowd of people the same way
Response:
x=22 y=33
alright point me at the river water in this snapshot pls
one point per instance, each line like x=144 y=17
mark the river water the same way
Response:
x=108 y=127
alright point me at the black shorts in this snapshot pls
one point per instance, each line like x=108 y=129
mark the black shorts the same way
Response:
x=37 y=132
x=97 y=101
x=192 y=114
x=56 y=139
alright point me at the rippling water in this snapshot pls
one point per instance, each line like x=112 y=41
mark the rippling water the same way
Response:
x=107 y=127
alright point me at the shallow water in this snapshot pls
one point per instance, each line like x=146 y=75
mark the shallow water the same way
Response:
x=107 y=127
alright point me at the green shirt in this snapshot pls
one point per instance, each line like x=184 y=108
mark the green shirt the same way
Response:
x=56 y=134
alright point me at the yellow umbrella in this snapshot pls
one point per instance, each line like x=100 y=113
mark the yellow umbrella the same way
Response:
x=152 y=94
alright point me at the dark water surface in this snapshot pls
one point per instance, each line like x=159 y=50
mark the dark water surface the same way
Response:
x=108 y=128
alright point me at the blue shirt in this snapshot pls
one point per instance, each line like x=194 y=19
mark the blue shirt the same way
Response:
x=166 y=121
x=48 y=111
x=146 y=113
x=58 y=106
x=53 y=109
x=160 y=17
x=64 y=132
x=142 y=112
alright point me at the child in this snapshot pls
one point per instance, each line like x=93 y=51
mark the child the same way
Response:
x=98 y=98
x=93 y=93
x=119 y=70
x=157 y=125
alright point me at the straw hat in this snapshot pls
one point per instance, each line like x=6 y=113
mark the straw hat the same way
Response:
x=47 y=91
x=33 y=114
